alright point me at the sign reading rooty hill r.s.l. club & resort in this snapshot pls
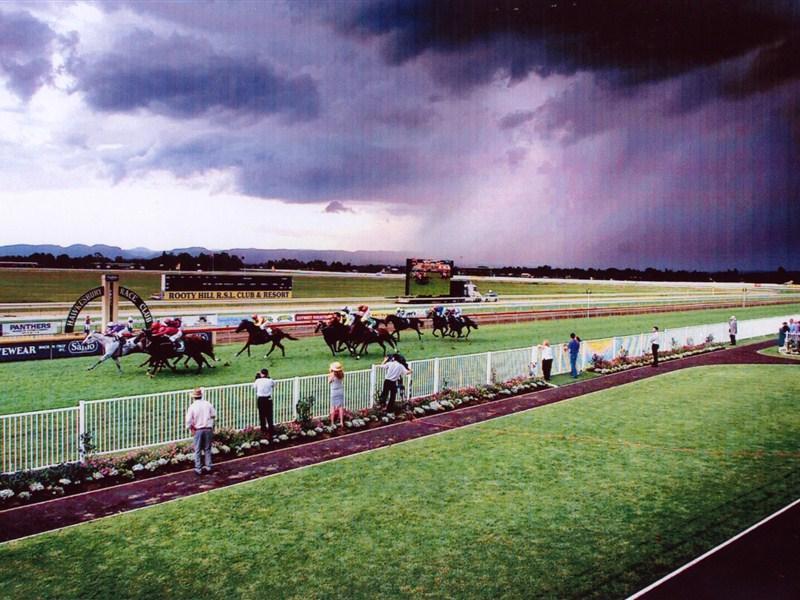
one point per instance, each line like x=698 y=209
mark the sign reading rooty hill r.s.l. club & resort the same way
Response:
x=225 y=287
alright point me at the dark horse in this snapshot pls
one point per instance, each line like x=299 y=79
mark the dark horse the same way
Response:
x=457 y=325
x=361 y=335
x=257 y=337
x=162 y=350
x=335 y=334
x=440 y=324
x=401 y=323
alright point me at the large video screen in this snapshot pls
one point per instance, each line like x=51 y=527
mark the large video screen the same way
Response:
x=428 y=277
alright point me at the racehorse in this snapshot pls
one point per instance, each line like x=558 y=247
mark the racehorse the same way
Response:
x=458 y=324
x=439 y=324
x=257 y=336
x=161 y=349
x=401 y=323
x=362 y=335
x=112 y=348
x=336 y=335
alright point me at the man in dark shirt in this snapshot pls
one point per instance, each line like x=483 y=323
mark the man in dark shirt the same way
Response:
x=574 y=346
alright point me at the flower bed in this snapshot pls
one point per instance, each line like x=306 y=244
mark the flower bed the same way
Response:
x=96 y=472
x=623 y=362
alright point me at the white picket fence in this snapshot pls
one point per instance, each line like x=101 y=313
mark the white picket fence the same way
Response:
x=39 y=439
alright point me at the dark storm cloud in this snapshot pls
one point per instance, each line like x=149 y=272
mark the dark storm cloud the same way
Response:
x=25 y=48
x=184 y=77
x=627 y=41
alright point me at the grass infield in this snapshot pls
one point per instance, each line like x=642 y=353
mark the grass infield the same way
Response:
x=593 y=498
x=66 y=285
x=39 y=385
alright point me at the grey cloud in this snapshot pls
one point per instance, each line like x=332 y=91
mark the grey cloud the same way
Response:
x=337 y=207
x=516 y=118
x=25 y=47
x=184 y=77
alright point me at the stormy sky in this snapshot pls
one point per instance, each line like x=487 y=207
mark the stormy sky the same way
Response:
x=589 y=133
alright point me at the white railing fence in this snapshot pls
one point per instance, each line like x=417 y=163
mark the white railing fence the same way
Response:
x=39 y=439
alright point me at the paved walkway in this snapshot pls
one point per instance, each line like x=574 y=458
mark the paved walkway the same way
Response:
x=70 y=510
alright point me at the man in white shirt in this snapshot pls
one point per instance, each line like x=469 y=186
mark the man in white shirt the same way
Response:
x=395 y=371
x=263 y=386
x=654 y=345
x=200 y=422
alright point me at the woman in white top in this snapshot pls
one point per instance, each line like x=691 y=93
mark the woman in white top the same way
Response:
x=336 y=381
x=546 y=355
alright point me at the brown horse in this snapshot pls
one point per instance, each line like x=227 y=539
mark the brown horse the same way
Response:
x=335 y=334
x=161 y=350
x=363 y=336
x=401 y=323
x=257 y=337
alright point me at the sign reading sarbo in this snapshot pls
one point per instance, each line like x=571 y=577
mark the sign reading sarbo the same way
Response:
x=225 y=287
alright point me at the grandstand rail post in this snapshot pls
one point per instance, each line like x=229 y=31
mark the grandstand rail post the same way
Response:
x=436 y=375
x=82 y=431
x=295 y=393
x=488 y=368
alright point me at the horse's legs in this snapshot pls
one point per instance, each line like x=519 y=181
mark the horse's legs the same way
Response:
x=274 y=343
x=116 y=362
x=245 y=347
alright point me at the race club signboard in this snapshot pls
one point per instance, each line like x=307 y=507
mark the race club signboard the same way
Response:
x=225 y=287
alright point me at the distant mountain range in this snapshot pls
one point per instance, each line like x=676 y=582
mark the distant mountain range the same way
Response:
x=251 y=255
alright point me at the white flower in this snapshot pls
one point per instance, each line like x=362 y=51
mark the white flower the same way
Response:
x=224 y=449
x=152 y=465
x=418 y=410
x=283 y=437
x=264 y=442
x=214 y=450
x=385 y=419
x=58 y=490
x=6 y=494
x=97 y=475
x=246 y=446
x=348 y=424
x=36 y=487
x=24 y=495
x=113 y=472
x=137 y=467
x=64 y=481
x=162 y=461
x=319 y=429
x=311 y=433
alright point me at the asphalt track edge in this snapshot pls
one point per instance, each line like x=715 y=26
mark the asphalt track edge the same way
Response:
x=713 y=550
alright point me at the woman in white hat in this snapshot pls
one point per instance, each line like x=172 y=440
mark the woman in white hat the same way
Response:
x=336 y=381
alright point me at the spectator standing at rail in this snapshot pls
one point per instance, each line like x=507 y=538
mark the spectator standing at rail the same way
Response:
x=573 y=347
x=733 y=329
x=336 y=383
x=546 y=356
x=263 y=385
x=654 y=342
x=87 y=325
x=395 y=371
x=784 y=329
x=200 y=418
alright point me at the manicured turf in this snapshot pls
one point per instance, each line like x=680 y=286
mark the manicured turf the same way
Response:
x=590 y=498
x=39 y=385
x=39 y=285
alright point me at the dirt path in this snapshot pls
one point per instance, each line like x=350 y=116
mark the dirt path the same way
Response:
x=61 y=512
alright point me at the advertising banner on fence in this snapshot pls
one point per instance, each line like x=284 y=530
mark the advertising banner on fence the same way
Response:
x=29 y=328
x=199 y=320
x=234 y=320
x=40 y=351
x=604 y=348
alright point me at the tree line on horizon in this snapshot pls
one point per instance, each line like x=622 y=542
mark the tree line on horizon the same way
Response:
x=223 y=261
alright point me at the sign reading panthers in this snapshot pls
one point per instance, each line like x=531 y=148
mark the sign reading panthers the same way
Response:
x=225 y=287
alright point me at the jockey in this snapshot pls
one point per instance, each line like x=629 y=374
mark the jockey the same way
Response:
x=116 y=330
x=349 y=316
x=156 y=328
x=366 y=317
x=438 y=310
x=174 y=331
x=262 y=324
x=334 y=319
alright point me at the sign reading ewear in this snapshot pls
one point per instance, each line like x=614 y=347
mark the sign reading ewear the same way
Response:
x=44 y=350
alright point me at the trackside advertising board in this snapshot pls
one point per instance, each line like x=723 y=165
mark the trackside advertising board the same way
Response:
x=225 y=287
x=31 y=328
x=45 y=350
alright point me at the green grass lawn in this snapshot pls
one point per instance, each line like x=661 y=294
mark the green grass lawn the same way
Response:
x=591 y=498
x=38 y=385
x=51 y=285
